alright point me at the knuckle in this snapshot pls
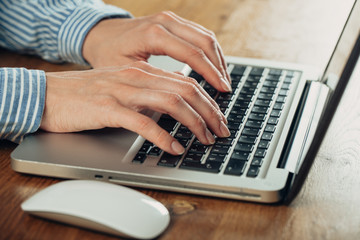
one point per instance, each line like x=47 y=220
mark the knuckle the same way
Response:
x=144 y=124
x=174 y=99
x=155 y=30
x=196 y=53
x=132 y=70
x=198 y=123
x=164 y=16
x=162 y=138
x=210 y=40
x=190 y=89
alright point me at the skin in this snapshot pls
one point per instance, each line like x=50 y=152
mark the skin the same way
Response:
x=122 y=83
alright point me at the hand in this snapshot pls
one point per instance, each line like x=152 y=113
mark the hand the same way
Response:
x=113 y=97
x=114 y=42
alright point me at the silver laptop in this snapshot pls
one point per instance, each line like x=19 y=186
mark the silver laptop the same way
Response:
x=273 y=113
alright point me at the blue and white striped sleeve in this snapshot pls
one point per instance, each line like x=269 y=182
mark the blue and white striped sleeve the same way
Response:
x=22 y=98
x=52 y=29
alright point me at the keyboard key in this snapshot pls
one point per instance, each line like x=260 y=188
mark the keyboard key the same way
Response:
x=260 y=153
x=236 y=168
x=275 y=113
x=217 y=157
x=193 y=157
x=168 y=160
x=257 y=71
x=266 y=96
x=270 y=128
x=253 y=171
x=247 y=139
x=233 y=125
x=221 y=149
x=238 y=70
x=258 y=109
x=145 y=147
x=275 y=72
x=209 y=166
x=254 y=124
x=139 y=158
x=224 y=141
x=196 y=76
x=257 y=162
x=267 y=136
x=264 y=144
x=154 y=151
x=197 y=148
x=167 y=124
x=278 y=106
x=262 y=103
x=273 y=120
x=244 y=147
x=257 y=116
x=250 y=131
x=240 y=156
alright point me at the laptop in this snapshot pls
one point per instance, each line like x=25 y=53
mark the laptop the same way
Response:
x=278 y=114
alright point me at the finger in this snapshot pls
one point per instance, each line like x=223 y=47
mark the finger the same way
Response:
x=188 y=88
x=146 y=127
x=168 y=103
x=165 y=43
x=197 y=35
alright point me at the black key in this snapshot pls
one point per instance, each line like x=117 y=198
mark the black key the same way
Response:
x=275 y=71
x=233 y=125
x=210 y=166
x=139 y=158
x=258 y=109
x=269 y=90
x=240 y=156
x=223 y=149
x=247 y=139
x=184 y=135
x=253 y=171
x=193 y=157
x=283 y=92
x=264 y=144
x=217 y=157
x=238 y=70
x=278 y=106
x=225 y=96
x=256 y=71
x=168 y=160
x=273 y=78
x=167 y=124
x=254 y=124
x=184 y=142
x=281 y=99
x=145 y=147
x=290 y=73
x=241 y=104
x=253 y=78
x=250 y=131
x=286 y=86
x=224 y=141
x=233 y=133
x=262 y=103
x=267 y=136
x=236 y=168
x=269 y=83
x=238 y=111
x=223 y=103
x=235 y=117
x=244 y=147
x=275 y=113
x=196 y=76
x=197 y=148
x=273 y=120
x=257 y=162
x=248 y=90
x=260 y=153
x=288 y=80
x=266 y=96
x=270 y=128
x=257 y=116
x=154 y=151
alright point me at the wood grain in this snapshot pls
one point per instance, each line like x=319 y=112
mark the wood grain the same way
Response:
x=301 y=31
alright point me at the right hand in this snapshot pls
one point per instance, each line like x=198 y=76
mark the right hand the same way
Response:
x=113 y=97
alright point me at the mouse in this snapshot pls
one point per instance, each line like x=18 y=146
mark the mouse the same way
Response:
x=100 y=206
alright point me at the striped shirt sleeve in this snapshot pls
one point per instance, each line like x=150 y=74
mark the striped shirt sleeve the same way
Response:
x=52 y=29
x=22 y=98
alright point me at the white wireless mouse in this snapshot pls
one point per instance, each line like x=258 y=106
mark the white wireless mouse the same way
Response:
x=101 y=206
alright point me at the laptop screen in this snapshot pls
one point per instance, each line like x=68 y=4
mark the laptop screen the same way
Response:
x=343 y=48
x=344 y=59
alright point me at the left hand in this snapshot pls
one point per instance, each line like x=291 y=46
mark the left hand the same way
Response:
x=115 y=42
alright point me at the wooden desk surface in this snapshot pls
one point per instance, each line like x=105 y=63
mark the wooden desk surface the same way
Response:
x=302 y=31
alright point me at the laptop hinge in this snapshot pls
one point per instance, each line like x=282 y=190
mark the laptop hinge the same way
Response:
x=305 y=124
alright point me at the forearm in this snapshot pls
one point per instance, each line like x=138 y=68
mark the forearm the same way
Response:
x=54 y=30
x=22 y=99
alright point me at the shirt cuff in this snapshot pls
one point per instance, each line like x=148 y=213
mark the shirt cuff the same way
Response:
x=77 y=25
x=22 y=101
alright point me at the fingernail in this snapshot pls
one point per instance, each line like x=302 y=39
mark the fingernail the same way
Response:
x=224 y=130
x=176 y=146
x=225 y=85
x=210 y=137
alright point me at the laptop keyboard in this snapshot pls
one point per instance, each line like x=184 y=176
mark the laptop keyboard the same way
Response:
x=252 y=109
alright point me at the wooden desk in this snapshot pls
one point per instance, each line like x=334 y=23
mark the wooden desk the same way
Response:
x=302 y=31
